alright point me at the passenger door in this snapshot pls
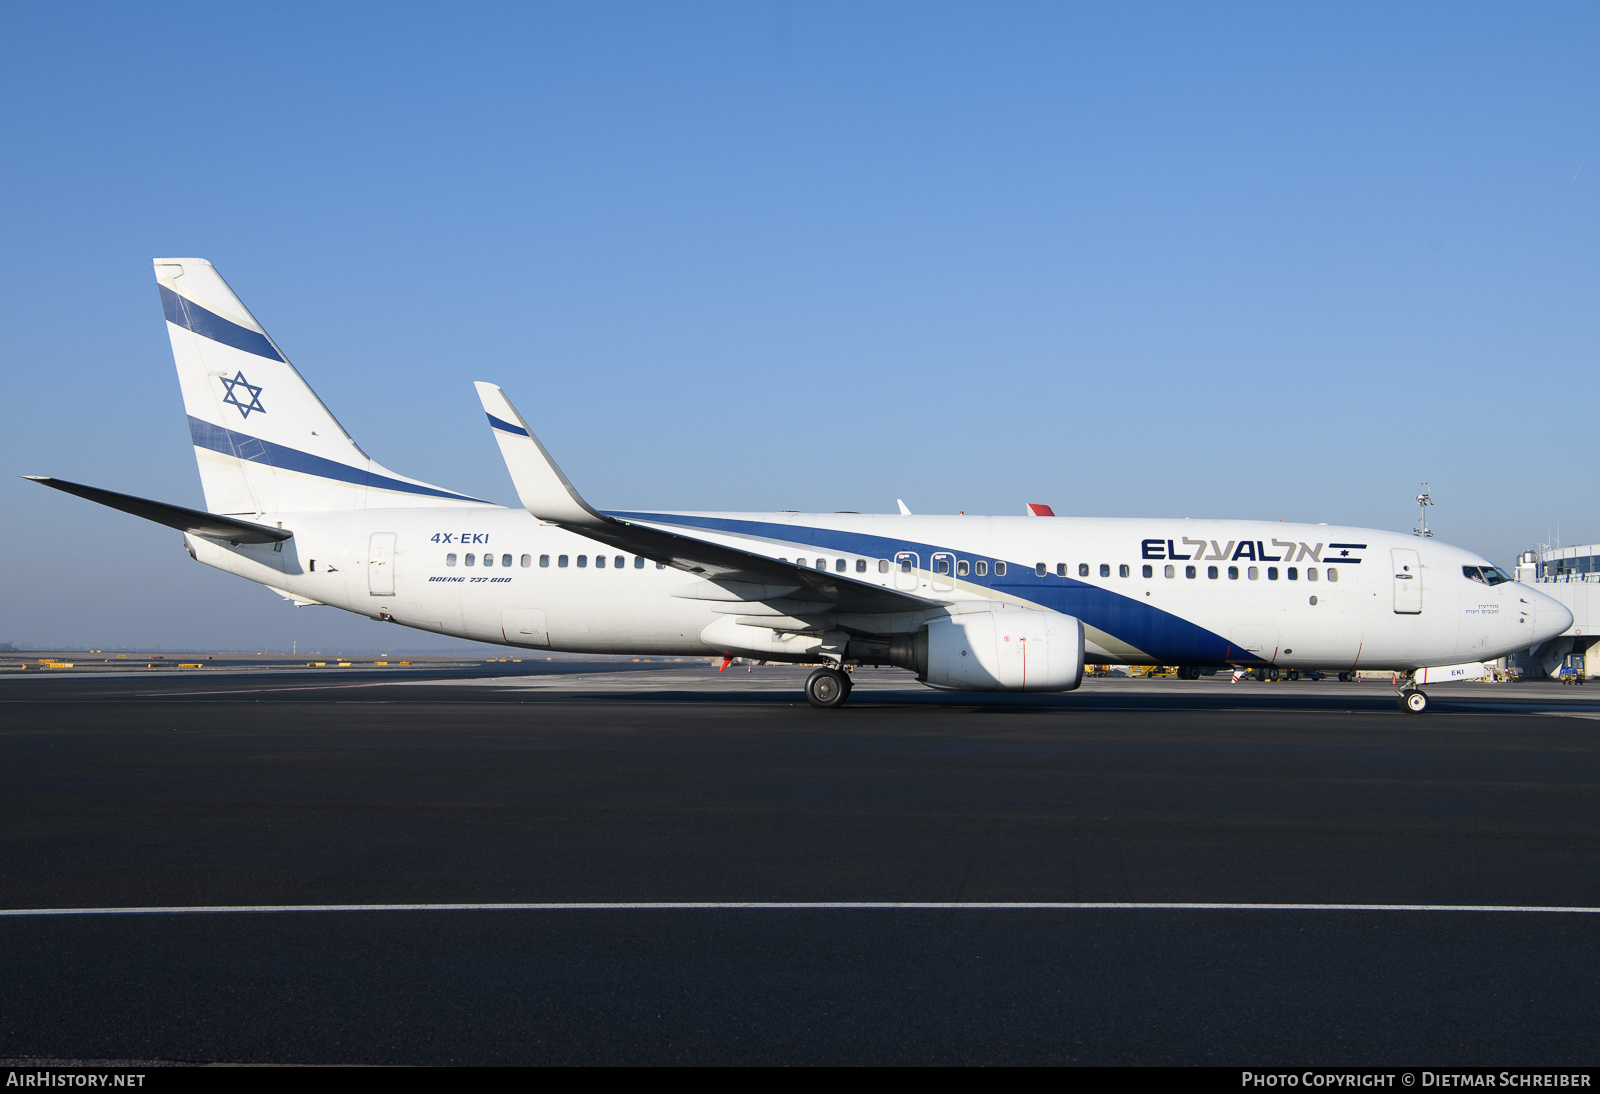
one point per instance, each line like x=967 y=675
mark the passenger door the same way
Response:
x=944 y=572
x=380 y=564
x=1407 y=581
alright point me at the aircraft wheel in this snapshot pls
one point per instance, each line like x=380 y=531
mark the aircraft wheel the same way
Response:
x=1273 y=675
x=1294 y=674
x=827 y=688
x=1413 y=702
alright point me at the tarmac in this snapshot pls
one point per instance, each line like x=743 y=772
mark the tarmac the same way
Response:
x=703 y=869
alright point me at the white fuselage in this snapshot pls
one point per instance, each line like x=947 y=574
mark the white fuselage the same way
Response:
x=1292 y=595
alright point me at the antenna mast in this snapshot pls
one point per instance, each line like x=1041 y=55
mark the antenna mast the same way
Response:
x=1423 y=500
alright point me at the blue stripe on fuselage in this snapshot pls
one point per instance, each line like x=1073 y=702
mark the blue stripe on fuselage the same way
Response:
x=1170 y=639
x=191 y=316
x=246 y=447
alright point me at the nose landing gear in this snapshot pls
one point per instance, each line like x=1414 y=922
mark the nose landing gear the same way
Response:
x=827 y=688
x=1413 y=701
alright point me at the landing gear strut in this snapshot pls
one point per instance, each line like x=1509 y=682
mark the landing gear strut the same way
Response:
x=827 y=688
x=1413 y=701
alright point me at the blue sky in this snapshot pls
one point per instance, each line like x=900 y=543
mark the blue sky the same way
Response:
x=1251 y=260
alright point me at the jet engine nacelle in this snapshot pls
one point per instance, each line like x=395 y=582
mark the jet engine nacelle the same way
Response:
x=993 y=649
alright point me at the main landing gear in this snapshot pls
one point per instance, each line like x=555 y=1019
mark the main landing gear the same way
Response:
x=827 y=688
x=1413 y=701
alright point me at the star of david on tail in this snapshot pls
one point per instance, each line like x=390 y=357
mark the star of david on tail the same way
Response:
x=232 y=397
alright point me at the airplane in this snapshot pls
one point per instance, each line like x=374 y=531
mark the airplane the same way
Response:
x=967 y=603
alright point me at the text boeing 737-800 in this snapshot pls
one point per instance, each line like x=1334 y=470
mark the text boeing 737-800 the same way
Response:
x=967 y=603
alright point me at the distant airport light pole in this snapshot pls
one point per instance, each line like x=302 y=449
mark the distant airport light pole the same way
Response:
x=1423 y=500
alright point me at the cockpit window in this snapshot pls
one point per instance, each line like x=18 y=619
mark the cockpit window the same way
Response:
x=1489 y=575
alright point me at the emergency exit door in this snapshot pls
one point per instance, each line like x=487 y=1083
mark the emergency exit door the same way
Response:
x=380 y=564
x=1407 y=581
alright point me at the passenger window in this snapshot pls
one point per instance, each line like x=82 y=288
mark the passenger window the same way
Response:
x=638 y=562
x=1211 y=572
x=861 y=565
x=822 y=564
x=883 y=565
x=1333 y=575
x=1172 y=571
x=1233 y=573
x=527 y=560
x=450 y=559
x=999 y=569
x=1061 y=569
x=1105 y=569
x=1149 y=571
x=470 y=560
x=599 y=562
x=1272 y=573
x=1040 y=569
x=619 y=562
x=840 y=565
x=1292 y=574
x=661 y=565
x=961 y=568
x=488 y=560
x=982 y=567
x=1253 y=573
x=1189 y=571
x=505 y=560
x=544 y=561
x=583 y=560
x=905 y=565
x=800 y=562
x=1123 y=571
x=561 y=562
x=1311 y=573
x=1083 y=569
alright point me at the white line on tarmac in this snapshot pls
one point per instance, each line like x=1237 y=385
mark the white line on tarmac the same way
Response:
x=787 y=906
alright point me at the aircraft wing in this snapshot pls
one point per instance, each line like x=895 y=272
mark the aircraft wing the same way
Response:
x=173 y=516
x=738 y=574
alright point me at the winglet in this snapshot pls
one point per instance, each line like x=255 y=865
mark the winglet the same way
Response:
x=542 y=488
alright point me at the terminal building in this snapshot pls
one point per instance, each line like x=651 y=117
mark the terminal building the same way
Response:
x=1572 y=576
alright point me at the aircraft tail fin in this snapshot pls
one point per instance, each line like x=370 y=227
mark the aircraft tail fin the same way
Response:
x=264 y=442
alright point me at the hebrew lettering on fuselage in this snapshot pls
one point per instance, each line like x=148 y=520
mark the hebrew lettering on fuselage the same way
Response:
x=1252 y=550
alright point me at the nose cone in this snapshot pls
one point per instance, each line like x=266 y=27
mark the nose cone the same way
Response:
x=1550 y=616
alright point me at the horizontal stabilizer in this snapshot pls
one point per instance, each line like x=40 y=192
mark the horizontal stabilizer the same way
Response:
x=173 y=516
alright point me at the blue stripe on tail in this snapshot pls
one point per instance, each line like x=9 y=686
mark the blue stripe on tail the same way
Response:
x=246 y=447
x=191 y=316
